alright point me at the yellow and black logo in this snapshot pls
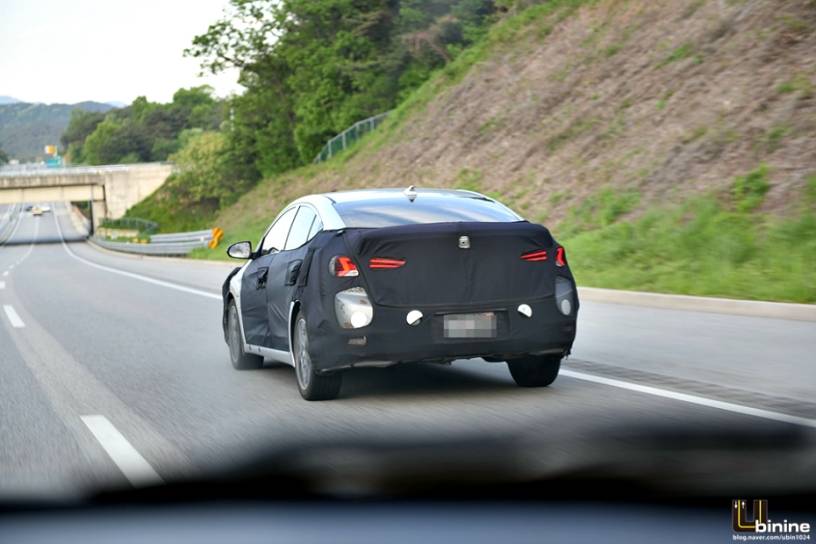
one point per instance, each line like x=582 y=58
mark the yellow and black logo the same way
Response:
x=754 y=519
x=743 y=521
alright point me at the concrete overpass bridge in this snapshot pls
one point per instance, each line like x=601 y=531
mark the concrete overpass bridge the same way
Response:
x=110 y=189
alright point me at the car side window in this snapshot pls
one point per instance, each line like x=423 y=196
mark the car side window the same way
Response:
x=275 y=239
x=301 y=227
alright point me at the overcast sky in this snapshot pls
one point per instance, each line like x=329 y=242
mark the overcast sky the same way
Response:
x=104 y=50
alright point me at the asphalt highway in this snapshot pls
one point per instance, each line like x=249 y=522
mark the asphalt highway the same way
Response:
x=113 y=368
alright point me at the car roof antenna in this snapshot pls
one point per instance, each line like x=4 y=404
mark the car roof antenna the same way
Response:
x=410 y=192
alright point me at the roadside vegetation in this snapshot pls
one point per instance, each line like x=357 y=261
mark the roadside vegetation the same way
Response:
x=612 y=122
x=310 y=68
x=713 y=244
x=709 y=245
x=141 y=132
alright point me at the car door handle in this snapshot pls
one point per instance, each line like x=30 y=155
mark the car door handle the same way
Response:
x=292 y=272
x=263 y=273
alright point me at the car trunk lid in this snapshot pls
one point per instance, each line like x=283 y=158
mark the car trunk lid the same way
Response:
x=455 y=264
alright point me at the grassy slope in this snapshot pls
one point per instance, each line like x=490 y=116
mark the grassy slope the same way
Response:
x=703 y=247
x=171 y=217
x=630 y=129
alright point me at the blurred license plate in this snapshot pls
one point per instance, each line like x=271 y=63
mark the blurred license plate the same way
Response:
x=481 y=325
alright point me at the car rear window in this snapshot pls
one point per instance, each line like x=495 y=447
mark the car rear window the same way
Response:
x=391 y=212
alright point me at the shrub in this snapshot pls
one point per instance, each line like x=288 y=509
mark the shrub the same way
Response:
x=749 y=190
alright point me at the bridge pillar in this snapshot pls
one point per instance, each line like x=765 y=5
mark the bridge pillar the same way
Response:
x=99 y=213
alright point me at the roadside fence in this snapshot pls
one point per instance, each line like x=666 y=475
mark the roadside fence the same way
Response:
x=349 y=136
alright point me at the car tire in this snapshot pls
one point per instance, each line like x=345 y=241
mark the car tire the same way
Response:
x=535 y=371
x=239 y=359
x=312 y=386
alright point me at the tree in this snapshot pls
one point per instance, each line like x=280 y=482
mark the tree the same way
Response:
x=81 y=125
x=4 y=158
x=196 y=105
x=116 y=141
x=204 y=176
x=142 y=131
x=310 y=68
x=314 y=67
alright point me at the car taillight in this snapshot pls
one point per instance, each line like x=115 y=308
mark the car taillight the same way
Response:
x=535 y=256
x=383 y=263
x=560 y=257
x=343 y=267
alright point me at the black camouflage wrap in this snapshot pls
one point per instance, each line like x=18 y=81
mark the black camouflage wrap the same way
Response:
x=438 y=278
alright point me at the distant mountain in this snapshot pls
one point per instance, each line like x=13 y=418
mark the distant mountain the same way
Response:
x=116 y=103
x=8 y=100
x=26 y=128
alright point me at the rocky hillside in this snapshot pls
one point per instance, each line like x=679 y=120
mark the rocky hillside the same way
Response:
x=607 y=119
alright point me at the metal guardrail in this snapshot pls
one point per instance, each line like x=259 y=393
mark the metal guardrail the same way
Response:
x=171 y=244
x=177 y=249
x=194 y=236
x=349 y=136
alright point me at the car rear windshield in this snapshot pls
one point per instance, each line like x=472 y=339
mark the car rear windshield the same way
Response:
x=390 y=212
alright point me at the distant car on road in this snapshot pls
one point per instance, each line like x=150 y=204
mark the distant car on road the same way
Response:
x=381 y=277
x=46 y=209
x=36 y=211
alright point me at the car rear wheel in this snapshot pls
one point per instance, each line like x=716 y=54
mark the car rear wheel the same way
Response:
x=312 y=386
x=239 y=359
x=535 y=370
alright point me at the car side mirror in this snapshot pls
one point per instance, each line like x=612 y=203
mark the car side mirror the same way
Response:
x=240 y=250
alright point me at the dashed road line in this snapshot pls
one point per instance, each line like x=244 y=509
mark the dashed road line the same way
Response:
x=135 y=467
x=694 y=399
x=2 y=285
x=133 y=275
x=13 y=316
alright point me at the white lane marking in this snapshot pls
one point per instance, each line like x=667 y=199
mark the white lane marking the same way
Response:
x=14 y=230
x=5 y=273
x=694 y=399
x=2 y=285
x=135 y=467
x=13 y=317
x=30 y=245
x=133 y=275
